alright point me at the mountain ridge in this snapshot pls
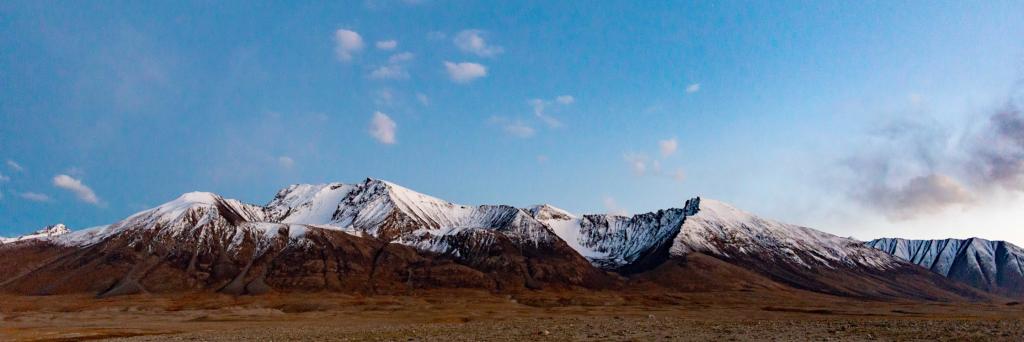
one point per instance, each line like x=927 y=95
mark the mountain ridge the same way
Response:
x=993 y=266
x=377 y=235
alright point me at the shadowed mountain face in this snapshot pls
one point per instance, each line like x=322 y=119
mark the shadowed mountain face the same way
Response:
x=993 y=266
x=376 y=236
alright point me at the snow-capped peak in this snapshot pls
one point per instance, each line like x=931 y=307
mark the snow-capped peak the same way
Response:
x=172 y=210
x=307 y=203
x=47 y=232
x=53 y=230
x=548 y=212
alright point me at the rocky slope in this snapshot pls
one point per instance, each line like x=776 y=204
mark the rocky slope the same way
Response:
x=376 y=236
x=994 y=266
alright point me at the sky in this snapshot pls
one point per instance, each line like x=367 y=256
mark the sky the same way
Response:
x=863 y=119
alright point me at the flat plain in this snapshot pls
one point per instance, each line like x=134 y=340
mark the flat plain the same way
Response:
x=463 y=315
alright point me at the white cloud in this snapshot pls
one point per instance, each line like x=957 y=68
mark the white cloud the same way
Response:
x=384 y=97
x=389 y=72
x=383 y=128
x=347 y=43
x=423 y=99
x=565 y=99
x=514 y=128
x=915 y=99
x=401 y=57
x=613 y=207
x=387 y=44
x=465 y=72
x=14 y=166
x=519 y=129
x=668 y=146
x=286 y=162
x=472 y=41
x=678 y=175
x=693 y=88
x=642 y=166
x=4 y=178
x=35 y=197
x=75 y=171
x=542 y=159
x=395 y=69
x=637 y=162
x=538 y=111
x=82 y=191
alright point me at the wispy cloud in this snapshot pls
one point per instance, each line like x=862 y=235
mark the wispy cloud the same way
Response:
x=13 y=165
x=423 y=99
x=346 y=44
x=540 y=107
x=395 y=69
x=382 y=128
x=82 y=191
x=642 y=165
x=693 y=88
x=401 y=57
x=389 y=72
x=637 y=163
x=286 y=162
x=34 y=196
x=387 y=44
x=668 y=146
x=514 y=128
x=465 y=72
x=472 y=41
x=383 y=97
x=613 y=207
x=4 y=178
x=538 y=111
x=913 y=167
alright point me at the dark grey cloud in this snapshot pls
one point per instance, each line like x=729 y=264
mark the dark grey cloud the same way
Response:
x=998 y=159
x=916 y=166
x=919 y=195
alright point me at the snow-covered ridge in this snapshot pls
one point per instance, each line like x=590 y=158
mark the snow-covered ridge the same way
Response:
x=985 y=264
x=372 y=208
x=723 y=230
x=548 y=212
x=612 y=241
x=307 y=202
x=384 y=210
x=47 y=232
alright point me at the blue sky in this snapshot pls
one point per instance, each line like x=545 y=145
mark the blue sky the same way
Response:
x=861 y=119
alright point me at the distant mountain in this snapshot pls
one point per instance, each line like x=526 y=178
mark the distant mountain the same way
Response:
x=48 y=231
x=376 y=236
x=993 y=266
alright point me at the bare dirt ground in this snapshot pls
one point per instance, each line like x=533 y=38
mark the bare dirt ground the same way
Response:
x=474 y=316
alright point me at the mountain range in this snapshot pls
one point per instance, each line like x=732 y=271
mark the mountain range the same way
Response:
x=993 y=266
x=379 y=237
